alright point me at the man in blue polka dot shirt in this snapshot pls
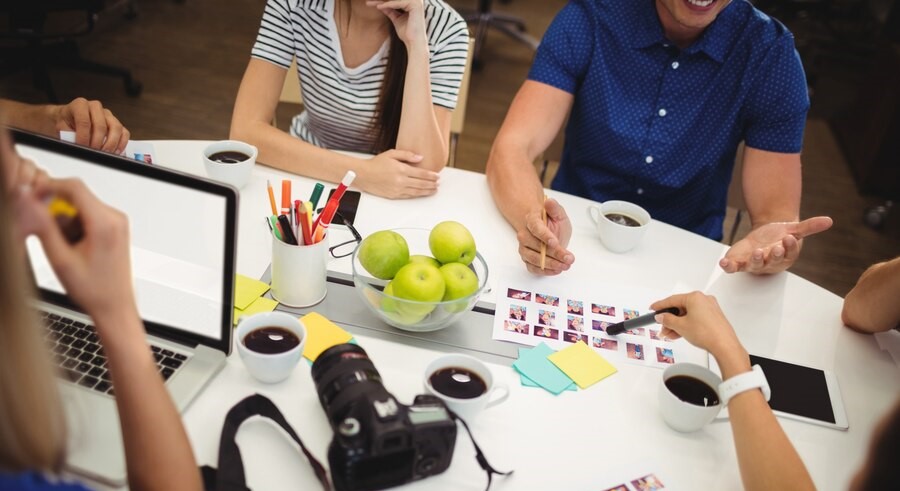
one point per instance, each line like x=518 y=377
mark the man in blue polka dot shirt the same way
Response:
x=661 y=93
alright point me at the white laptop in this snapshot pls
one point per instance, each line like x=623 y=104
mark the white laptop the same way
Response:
x=183 y=232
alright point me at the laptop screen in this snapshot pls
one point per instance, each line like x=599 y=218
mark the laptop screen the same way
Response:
x=180 y=251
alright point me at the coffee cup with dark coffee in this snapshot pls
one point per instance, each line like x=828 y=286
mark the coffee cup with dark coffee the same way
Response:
x=689 y=396
x=465 y=384
x=621 y=224
x=271 y=345
x=230 y=161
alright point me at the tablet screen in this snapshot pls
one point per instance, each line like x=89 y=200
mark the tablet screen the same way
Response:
x=796 y=389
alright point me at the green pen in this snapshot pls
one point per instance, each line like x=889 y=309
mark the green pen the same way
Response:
x=273 y=225
x=316 y=194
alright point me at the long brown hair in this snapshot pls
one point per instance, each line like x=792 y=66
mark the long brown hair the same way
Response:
x=390 y=100
x=32 y=427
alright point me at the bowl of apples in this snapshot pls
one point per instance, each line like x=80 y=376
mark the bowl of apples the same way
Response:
x=417 y=279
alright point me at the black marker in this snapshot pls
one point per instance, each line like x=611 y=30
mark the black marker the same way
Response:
x=642 y=320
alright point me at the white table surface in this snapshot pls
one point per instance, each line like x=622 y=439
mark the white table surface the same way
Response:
x=573 y=440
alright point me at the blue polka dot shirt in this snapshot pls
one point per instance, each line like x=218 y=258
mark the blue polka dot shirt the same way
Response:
x=660 y=126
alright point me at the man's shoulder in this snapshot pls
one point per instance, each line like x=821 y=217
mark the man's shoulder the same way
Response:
x=763 y=29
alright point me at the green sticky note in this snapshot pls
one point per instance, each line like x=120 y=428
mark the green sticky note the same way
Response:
x=259 y=305
x=247 y=290
x=533 y=363
x=584 y=365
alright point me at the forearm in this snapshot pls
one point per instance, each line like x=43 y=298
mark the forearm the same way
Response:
x=772 y=200
x=283 y=151
x=36 y=118
x=419 y=129
x=513 y=182
x=766 y=457
x=158 y=453
x=871 y=306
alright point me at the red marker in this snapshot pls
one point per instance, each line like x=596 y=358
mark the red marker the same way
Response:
x=286 y=199
x=324 y=218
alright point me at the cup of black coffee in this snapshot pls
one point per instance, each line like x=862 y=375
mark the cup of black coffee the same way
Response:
x=621 y=224
x=689 y=396
x=465 y=384
x=271 y=345
x=230 y=161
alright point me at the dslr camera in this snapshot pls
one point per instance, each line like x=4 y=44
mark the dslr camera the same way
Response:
x=378 y=442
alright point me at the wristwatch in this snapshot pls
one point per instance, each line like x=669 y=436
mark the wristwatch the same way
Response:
x=754 y=379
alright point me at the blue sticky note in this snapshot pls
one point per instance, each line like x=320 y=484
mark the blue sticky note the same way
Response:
x=527 y=382
x=533 y=363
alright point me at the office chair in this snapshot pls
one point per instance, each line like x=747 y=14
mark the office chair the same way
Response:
x=483 y=19
x=28 y=44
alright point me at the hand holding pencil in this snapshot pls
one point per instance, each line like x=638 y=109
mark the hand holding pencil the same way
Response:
x=543 y=241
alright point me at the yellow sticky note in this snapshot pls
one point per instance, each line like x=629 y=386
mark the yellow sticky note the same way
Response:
x=582 y=364
x=321 y=334
x=259 y=305
x=247 y=290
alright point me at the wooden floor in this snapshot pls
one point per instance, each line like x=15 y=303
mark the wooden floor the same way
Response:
x=190 y=57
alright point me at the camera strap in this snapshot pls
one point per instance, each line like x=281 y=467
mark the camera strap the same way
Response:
x=479 y=455
x=230 y=475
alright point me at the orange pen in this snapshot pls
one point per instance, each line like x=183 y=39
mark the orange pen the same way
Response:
x=286 y=199
x=272 y=198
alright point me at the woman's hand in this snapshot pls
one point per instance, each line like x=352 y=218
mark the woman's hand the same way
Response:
x=701 y=322
x=392 y=174
x=408 y=18
x=95 y=271
x=94 y=125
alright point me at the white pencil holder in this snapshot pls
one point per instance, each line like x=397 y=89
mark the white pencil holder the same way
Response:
x=299 y=272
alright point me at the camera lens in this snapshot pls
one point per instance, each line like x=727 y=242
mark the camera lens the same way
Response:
x=342 y=374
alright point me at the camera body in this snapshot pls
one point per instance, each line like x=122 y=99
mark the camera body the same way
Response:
x=378 y=442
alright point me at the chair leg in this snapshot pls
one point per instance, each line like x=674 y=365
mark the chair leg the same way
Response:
x=71 y=58
x=734 y=228
x=454 y=142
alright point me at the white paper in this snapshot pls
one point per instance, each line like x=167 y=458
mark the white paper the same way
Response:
x=551 y=311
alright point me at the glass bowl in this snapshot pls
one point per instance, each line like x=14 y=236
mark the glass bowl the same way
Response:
x=411 y=315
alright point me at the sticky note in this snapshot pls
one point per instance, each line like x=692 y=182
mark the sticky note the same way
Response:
x=259 y=305
x=533 y=363
x=527 y=382
x=582 y=364
x=247 y=290
x=321 y=334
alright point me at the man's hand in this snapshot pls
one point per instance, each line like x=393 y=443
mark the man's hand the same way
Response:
x=555 y=234
x=94 y=125
x=771 y=248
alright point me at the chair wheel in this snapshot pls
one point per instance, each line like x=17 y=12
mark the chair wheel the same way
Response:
x=133 y=88
x=876 y=216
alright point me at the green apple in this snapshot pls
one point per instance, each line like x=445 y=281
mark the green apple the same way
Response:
x=383 y=254
x=419 y=282
x=421 y=258
x=389 y=308
x=460 y=282
x=451 y=242
x=388 y=304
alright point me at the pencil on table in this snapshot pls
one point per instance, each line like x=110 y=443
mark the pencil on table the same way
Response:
x=544 y=244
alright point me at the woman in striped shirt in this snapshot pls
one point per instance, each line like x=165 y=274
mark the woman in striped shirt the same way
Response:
x=378 y=77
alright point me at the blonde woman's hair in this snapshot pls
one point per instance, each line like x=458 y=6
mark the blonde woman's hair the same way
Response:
x=32 y=426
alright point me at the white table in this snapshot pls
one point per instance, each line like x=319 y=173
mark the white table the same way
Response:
x=570 y=441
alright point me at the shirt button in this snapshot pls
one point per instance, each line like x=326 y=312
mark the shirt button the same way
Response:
x=649 y=159
x=662 y=113
x=674 y=65
x=640 y=190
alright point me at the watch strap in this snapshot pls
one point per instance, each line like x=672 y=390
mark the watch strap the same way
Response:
x=754 y=379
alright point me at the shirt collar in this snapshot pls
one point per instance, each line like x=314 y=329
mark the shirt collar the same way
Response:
x=716 y=40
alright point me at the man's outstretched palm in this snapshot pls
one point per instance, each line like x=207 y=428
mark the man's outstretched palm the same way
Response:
x=773 y=247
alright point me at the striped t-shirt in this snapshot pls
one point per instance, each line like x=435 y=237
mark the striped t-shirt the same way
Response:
x=340 y=102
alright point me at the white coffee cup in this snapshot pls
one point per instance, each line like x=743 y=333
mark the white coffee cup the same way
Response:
x=468 y=408
x=270 y=368
x=237 y=173
x=681 y=415
x=616 y=236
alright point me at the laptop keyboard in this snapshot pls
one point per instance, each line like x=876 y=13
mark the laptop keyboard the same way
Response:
x=77 y=352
